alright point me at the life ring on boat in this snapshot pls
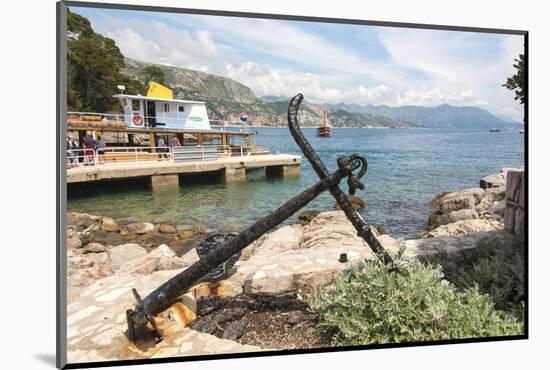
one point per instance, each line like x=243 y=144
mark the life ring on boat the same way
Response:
x=137 y=119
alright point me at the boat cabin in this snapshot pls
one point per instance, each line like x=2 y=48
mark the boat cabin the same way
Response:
x=152 y=112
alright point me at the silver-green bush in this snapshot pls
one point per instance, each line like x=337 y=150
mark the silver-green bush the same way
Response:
x=371 y=304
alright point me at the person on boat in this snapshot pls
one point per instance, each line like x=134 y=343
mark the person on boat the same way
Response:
x=174 y=141
x=75 y=149
x=162 y=148
x=100 y=145
x=90 y=144
x=70 y=152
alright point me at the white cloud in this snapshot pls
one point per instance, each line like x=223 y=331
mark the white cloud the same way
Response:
x=425 y=68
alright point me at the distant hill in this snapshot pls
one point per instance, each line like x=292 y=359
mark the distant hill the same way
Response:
x=343 y=118
x=442 y=116
x=190 y=83
x=226 y=99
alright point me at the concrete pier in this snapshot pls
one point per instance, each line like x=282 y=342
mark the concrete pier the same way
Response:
x=283 y=171
x=164 y=174
x=161 y=182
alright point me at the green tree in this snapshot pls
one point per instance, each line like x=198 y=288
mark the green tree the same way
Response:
x=517 y=82
x=153 y=73
x=94 y=64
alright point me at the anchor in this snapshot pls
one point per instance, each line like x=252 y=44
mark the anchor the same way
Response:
x=354 y=167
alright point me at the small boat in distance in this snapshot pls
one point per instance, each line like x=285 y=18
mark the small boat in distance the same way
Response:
x=324 y=130
x=494 y=130
x=521 y=131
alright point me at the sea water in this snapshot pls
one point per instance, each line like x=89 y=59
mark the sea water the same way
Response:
x=406 y=169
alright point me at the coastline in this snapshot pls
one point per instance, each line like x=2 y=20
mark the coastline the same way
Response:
x=296 y=258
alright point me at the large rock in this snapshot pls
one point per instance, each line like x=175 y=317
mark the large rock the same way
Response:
x=436 y=201
x=185 y=231
x=161 y=258
x=167 y=229
x=94 y=248
x=102 y=260
x=141 y=228
x=466 y=227
x=108 y=224
x=124 y=253
x=355 y=201
x=283 y=239
x=463 y=199
x=463 y=214
x=73 y=240
x=81 y=220
x=492 y=181
x=302 y=257
x=330 y=229
x=306 y=216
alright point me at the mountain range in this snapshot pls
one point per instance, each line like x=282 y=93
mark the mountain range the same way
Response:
x=441 y=116
x=226 y=99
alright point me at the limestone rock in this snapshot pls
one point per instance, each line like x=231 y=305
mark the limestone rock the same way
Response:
x=102 y=260
x=274 y=283
x=108 y=224
x=355 y=201
x=466 y=198
x=494 y=194
x=81 y=220
x=436 y=201
x=184 y=231
x=94 y=248
x=466 y=227
x=434 y=220
x=141 y=228
x=380 y=228
x=421 y=234
x=121 y=254
x=284 y=238
x=463 y=214
x=499 y=208
x=492 y=181
x=199 y=230
x=330 y=229
x=390 y=244
x=161 y=258
x=167 y=229
x=73 y=239
x=190 y=257
x=306 y=216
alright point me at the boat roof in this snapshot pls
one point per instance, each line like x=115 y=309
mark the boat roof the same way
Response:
x=141 y=97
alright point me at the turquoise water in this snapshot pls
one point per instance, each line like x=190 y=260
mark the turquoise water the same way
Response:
x=407 y=167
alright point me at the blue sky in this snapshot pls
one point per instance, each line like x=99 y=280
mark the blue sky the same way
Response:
x=326 y=62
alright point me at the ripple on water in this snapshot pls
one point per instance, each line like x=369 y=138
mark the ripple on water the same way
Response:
x=406 y=169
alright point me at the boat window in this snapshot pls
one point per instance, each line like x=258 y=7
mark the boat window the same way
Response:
x=166 y=107
x=135 y=104
x=181 y=108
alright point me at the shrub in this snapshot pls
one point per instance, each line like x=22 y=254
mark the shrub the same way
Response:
x=497 y=268
x=371 y=304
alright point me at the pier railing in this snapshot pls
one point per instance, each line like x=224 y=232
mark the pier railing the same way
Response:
x=125 y=155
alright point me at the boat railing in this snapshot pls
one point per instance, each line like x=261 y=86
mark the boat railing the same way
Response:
x=125 y=155
x=92 y=116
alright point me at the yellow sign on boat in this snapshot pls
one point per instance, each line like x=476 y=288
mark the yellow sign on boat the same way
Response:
x=157 y=90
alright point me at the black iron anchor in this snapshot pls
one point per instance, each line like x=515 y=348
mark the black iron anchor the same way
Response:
x=165 y=295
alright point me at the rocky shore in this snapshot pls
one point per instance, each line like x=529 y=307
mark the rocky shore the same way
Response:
x=106 y=260
x=470 y=210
